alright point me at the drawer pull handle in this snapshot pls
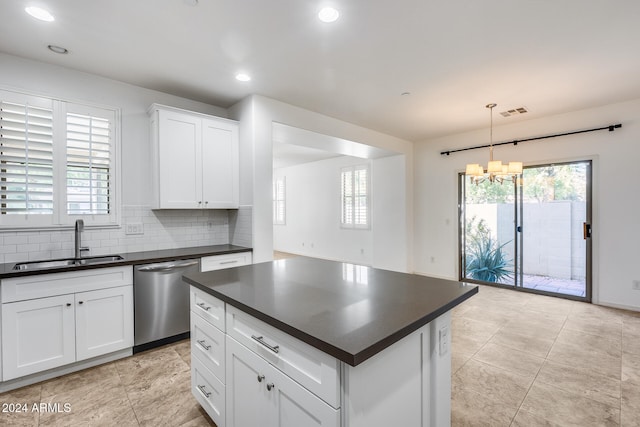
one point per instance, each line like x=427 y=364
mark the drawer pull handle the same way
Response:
x=205 y=392
x=260 y=378
x=203 y=345
x=274 y=348
x=201 y=305
x=270 y=386
x=229 y=262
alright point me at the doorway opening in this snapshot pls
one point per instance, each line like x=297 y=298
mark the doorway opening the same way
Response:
x=533 y=234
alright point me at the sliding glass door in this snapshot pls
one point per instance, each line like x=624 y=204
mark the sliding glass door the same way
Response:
x=534 y=234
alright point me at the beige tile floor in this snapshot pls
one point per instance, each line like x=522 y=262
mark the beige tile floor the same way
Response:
x=518 y=360
x=148 y=389
x=528 y=360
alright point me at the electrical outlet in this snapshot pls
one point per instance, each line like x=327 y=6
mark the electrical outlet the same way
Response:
x=134 y=228
x=635 y=285
x=443 y=340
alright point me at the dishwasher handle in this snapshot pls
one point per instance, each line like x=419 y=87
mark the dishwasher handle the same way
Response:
x=168 y=267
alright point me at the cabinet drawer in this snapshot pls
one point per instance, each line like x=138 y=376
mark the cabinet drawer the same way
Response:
x=208 y=391
x=313 y=369
x=208 y=307
x=218 y=262
x=207 y=343
x=46 y=285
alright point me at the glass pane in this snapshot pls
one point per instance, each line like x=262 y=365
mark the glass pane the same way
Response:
x=554 y=210
x=489 y=226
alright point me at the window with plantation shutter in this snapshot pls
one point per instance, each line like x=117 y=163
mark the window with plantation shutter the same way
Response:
x=88 y=165
x=57 y=162
x=279 y=203
x=26 y=158
x=355 y=192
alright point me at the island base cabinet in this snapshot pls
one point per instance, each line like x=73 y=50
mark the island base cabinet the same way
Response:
x=37 y=335
x=413 y=377
x=258 y=394
x=208 y=391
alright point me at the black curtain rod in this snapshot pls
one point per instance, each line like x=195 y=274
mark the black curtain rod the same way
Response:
x=610 y=128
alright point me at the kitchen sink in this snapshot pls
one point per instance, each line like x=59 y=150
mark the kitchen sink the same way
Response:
x=42 y=265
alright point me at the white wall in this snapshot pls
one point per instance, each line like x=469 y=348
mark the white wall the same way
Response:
x=161 y=232
x=616 y=223
x=257 y=115
x=389 y=178
x=313 y=214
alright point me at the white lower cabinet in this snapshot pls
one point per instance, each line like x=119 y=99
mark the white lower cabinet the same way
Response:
x=103 y=321
x=37 y=335
x=258 y=394
x=91 y=316
x=208 y=391
x=241 y=386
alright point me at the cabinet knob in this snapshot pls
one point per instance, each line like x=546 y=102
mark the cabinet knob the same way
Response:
x=199 y=202
x=260 y=378
x=68 y=304
x=206 y=202
x=270 y=386
x=81 y=302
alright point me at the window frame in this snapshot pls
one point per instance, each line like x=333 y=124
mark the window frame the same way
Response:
x=367 y=196
x=59 y=217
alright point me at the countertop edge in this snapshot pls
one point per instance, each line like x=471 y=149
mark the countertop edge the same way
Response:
x=342 y=355
x=134 y=258
x=379 y=346
x=278 y=324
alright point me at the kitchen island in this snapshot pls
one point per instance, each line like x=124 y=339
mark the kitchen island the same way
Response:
x=304 y=342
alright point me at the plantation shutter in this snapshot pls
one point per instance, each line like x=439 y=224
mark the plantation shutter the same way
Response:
x=355 y=196
x=89 y=164
x=26 y=157
x=347 y=197
x=361 y=197
x=279 y=201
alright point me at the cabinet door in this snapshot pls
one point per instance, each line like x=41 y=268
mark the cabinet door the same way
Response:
x=37 y=335
x=294 y=405
x=247 y=400
x=180 y=166
x=220 y=174
x=104 y=321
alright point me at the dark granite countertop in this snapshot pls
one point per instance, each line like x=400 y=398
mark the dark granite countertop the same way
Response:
x=132 y=258
x=349 y=311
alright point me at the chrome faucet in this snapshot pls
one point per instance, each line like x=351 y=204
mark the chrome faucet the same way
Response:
x=78 y=248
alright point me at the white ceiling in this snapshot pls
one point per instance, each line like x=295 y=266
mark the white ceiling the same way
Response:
x=455 y=56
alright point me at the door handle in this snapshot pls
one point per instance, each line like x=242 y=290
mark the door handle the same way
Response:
x=586 y=230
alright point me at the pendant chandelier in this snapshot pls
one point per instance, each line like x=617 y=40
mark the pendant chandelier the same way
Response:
x=496 y=171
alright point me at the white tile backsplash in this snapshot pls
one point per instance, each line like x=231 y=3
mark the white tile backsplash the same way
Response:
x=163 y=229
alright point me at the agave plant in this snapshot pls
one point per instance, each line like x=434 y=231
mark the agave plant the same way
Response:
x=484 y=258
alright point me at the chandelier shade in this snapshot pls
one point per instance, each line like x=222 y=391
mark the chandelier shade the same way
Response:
x=496 y=171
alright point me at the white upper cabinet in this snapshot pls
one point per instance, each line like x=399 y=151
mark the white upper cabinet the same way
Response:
x=195 y=160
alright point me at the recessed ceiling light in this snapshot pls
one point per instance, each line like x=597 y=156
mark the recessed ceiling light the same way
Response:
x=328 y=14
x=39 y=13
x=243 y=77
x=58 y=49
x=405 y=93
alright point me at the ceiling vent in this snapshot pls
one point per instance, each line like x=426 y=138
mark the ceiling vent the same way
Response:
x=514 y=112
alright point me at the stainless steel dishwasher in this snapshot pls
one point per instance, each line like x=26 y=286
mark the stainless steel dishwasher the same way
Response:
x=161 y=303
